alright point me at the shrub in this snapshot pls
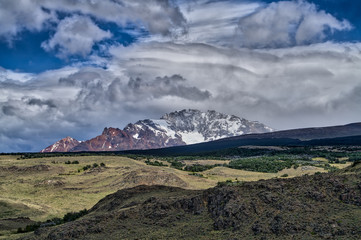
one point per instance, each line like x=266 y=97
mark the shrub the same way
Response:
x=155 y=163
x=229 y=183
x=177 y=165
x=266 y=164
x=29 y=228
x=198 y=168
x=55 y=221
x=73 y=162
x=74 y=215
x=197 y=174
x=86 y=167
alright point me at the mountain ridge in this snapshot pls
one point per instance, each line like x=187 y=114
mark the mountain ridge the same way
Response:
x=347 y=135
x=172 y=129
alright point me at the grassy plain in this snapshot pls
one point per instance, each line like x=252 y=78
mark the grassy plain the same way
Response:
x=44 y=188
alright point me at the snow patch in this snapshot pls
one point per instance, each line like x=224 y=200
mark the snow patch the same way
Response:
x=192 y=137
x=163 y=125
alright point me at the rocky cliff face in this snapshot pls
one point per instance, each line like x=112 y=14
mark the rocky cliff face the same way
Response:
x=173 y=129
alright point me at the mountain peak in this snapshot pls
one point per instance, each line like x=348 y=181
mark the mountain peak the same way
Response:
x=111 y=131
x=184 y=113
x=187 y=126
x=63 y=145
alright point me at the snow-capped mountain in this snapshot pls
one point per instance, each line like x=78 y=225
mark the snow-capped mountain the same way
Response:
x=173 y=129
x=195 y=126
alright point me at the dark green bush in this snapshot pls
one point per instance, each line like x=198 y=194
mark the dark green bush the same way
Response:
x=198 y=168
x=177 y=165
x=87 y=167
x=261 y=164
x=155 y=163
x=74 y=215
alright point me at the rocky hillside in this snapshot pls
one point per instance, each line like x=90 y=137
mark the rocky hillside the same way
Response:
x=173 y=129
x=322 y=206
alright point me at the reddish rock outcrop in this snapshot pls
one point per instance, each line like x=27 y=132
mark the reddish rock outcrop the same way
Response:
x=64 y=145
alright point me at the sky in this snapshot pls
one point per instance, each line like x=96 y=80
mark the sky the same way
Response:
x=73 y=67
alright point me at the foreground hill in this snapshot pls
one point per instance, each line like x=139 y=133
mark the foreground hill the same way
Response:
x=173 y=129
x=322 y=206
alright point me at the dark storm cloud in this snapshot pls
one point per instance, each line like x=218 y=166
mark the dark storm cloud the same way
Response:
x=40 y=102
x=9 y=110
x=167 y=86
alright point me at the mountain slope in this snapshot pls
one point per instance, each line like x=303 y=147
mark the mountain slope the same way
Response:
x=353 y=129
x=173 y=129
x=322 y=206
x=349 y=134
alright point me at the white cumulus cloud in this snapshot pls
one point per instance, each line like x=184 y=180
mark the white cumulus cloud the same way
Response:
x=75 y=35
x=288 y=23
x=19 y=15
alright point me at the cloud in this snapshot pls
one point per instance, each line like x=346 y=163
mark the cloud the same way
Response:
x=284 y=88
x=282 y=84
x=296 y=84
x=41 y=108
x=40 y=102
x=166 y=86
x=7 y=75
x=214 y=22
x=75 y=35
x=157 y=16
x=288 y=23
x=16 y=16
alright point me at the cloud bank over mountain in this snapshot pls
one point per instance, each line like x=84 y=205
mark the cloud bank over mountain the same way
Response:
x=280 y=63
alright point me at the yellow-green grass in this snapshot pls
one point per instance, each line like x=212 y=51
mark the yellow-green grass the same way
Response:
x=42 y=195
x=341 y=165
x=224 y=173
x=320 y=159
x=63 y=189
